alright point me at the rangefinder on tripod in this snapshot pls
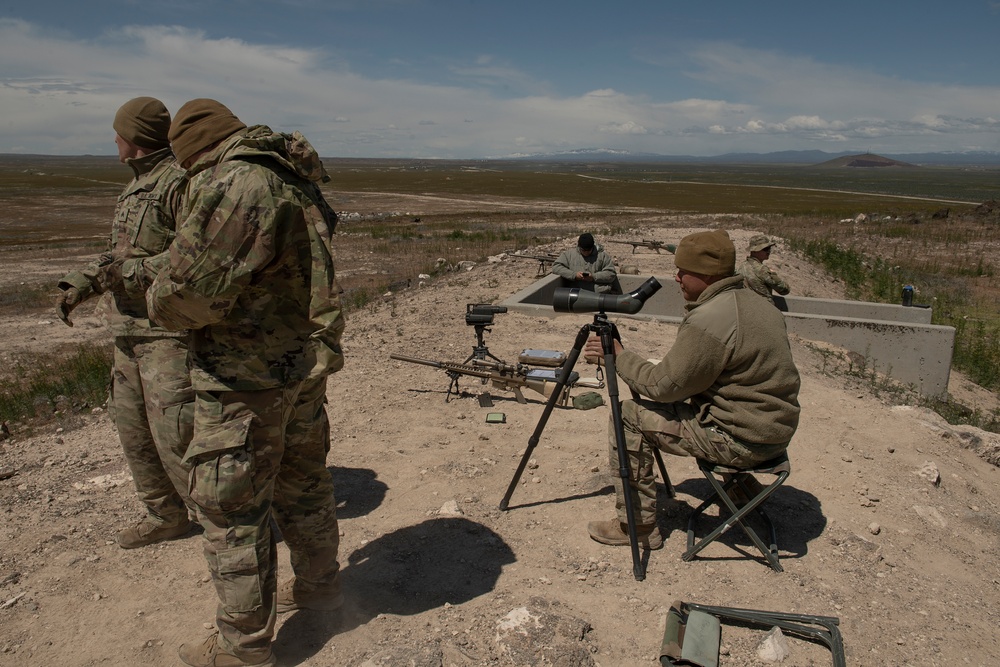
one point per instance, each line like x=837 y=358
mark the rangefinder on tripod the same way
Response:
x=481 y=313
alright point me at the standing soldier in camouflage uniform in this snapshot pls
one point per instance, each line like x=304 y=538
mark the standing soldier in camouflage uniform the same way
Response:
x=152 y=398
x=758 y=277
x=251 y=274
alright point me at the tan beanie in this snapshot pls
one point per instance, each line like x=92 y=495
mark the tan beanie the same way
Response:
x=143 y=121
x=199 y=124
x=707 y=253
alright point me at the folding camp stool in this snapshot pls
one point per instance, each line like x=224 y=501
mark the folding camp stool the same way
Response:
x=693 y=632
x=778 y=466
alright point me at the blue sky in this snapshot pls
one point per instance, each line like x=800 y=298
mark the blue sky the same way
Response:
x=475 y=79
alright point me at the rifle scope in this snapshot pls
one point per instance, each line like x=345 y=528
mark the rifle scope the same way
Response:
x=575 y=300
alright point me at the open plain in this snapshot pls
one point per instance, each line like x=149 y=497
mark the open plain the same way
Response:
x=888 y=521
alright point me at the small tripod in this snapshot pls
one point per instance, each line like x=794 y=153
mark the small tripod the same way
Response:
x=480 y=351
x=480 y=316
x=608 y=333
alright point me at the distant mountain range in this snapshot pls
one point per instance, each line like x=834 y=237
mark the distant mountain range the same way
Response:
x=956 y=158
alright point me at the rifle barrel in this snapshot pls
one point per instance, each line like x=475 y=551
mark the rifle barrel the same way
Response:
x=537 y=258
x=444 y=365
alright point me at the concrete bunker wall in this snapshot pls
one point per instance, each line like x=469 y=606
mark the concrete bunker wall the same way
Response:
x=897 y=341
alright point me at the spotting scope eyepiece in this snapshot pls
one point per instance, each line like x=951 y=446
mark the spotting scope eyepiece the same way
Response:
x=575 y=300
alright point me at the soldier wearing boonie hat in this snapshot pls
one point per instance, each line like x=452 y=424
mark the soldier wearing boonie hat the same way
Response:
x=759 y=278
x=726 y=391
x=760 y=242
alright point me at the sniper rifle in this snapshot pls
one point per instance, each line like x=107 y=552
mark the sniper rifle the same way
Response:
x=510 y=377
x=542 y=260
x=655 y=245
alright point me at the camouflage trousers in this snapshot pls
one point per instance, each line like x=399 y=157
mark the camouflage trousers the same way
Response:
x=674 y=429
x=153 y=405
x=258 y=455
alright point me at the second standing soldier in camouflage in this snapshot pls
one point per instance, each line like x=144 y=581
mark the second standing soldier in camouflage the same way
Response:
x=251 y=275
x=152 y=397
x=758 y=277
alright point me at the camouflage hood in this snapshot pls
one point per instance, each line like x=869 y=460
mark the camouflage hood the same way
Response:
x=292 y=151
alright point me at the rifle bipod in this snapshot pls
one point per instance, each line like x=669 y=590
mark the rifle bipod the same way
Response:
x=608 y=333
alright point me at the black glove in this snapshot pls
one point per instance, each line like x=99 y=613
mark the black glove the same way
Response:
x=67 y=300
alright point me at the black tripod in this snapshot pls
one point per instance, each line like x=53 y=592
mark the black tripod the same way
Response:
x=608 y=333
x=480 y=351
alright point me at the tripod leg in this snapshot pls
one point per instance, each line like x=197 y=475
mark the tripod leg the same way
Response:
x=557 y=391
x=663 y=473
x=624 y=469
x=659 y=462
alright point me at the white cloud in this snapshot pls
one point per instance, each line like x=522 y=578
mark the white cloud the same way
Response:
x=628 y=127
x=59 y=95
x=792 y=94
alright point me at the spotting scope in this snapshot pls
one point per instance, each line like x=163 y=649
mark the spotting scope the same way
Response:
x=576 y=300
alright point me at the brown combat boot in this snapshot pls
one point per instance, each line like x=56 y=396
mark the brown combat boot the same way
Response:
x=294 y=595
x=615 y=533
x=208 y=653
x=150 y=531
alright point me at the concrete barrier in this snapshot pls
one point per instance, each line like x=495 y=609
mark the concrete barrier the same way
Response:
x=897 y=341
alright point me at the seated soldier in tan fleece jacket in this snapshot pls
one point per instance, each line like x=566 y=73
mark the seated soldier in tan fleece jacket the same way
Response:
x=727 y=391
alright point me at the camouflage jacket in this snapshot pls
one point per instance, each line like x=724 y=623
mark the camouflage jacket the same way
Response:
x=761 y=279
x=143 y=227
x=251 y=271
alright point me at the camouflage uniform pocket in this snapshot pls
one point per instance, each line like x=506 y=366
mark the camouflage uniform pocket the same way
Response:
x=145 y=232
x=222 y=464
x=239 y=579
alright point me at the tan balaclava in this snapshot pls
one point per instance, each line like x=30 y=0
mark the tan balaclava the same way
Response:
x=199 y=124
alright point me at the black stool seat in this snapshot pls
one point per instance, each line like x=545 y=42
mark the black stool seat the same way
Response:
x=739 y=478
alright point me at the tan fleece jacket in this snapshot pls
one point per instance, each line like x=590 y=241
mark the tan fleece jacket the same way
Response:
x=732 y=361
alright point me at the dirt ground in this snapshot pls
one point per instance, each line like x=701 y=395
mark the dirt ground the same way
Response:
x=888 y=520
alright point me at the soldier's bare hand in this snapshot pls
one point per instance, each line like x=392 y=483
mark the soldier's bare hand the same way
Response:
x=593 y=351
x=67 y=300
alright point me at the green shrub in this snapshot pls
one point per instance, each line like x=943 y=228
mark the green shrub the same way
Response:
x=37 y=382
x=945 y=283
